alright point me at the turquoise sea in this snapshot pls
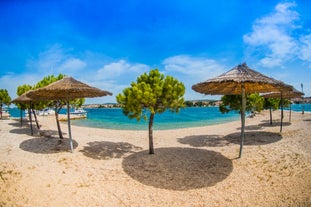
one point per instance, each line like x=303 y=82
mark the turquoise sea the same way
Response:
x=187 y=117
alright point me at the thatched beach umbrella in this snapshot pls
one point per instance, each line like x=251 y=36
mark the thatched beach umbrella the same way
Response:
x=287 y=95
x=240 y=80
x=23 y=99
x=67 y=89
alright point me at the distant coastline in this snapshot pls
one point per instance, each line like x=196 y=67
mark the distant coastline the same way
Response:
x=191 y=103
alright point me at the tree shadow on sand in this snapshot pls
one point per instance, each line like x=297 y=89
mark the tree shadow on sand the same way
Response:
x=178 y=168
x=50 y=133
x=47 y=145
x=23 y=130
x=204 y=141
x=266 y=123
x=108 y=150
x=254 y=138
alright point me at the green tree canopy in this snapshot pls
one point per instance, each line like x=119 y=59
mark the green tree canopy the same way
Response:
x=152 y=92
x=5 y=99
x=254 y=102
x=39 y=105
x=57 y=104
x=272 y=103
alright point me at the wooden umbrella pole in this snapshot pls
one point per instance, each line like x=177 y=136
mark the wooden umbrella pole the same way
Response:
x=290 y=112
x=242 y=120
x=282 y=114
x=21 y=113
x=30 y=119
x=69 y=127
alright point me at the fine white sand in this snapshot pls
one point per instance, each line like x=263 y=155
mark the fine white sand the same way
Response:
x=190 y=167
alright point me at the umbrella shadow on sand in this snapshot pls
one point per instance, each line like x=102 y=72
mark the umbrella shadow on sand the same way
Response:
x=251 y=138
x=178 y=168
x=18 y=124
x=107 y=150
x=254 y=138
x=46 y=145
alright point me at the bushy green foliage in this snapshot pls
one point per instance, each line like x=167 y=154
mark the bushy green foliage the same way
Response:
x=272 y=103
x=153 y=92
x=5 y=99
x=254 y=102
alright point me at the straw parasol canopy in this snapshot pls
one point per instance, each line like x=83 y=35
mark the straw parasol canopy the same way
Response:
x=23 y=99
x=287 y=95
x=241 y=76
x=240 y=80
x=67 y=89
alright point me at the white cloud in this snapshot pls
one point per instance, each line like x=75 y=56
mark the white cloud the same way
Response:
x=11 y=81
x=121 y=68
x=71 y=65
x=114 y=77
x=277 y=38
x=56 y=60
x=191 y=70
x=274 y=33
x=305 y=50
x=199 y=67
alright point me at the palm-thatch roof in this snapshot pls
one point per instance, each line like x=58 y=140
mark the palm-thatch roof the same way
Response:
x=66 y=89
x=22 y=99
x=230 y=83
x=287 y=94
x=241 y=80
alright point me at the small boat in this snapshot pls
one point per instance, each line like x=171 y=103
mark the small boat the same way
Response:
x=5 y=113
x=79 y=112
x=46 y=112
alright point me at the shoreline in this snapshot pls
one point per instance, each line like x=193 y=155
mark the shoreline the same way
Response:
x=194 y=166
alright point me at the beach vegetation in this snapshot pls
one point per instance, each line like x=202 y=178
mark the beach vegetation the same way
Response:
x=254 y=102
x=56 y=104
x=5 y=99
x=152 y=93
x=272 y=104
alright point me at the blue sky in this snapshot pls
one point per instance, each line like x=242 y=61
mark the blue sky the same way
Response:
x=107 y=44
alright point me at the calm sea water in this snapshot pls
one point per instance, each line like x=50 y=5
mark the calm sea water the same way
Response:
x=187 y=117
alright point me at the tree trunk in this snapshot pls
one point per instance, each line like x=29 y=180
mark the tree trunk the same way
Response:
x=270 y=116
x=34 y=114
x=1 y=111
x=21 y=113
x=151 y=150
x=58 y=126
x=30 y=120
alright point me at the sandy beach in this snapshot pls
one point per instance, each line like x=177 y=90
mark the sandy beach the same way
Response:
x=190 y=167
